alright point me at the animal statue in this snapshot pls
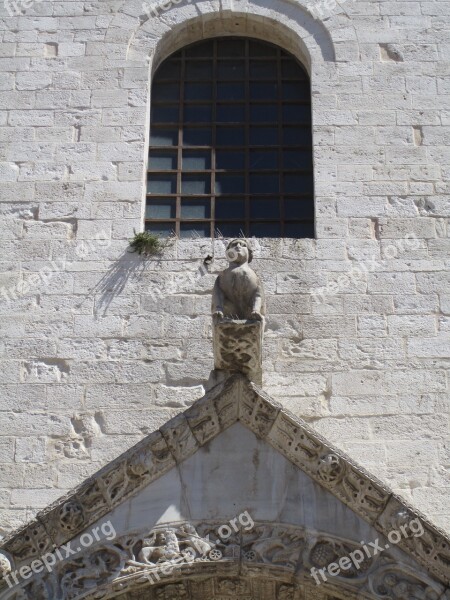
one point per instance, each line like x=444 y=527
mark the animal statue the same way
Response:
x=238 y=292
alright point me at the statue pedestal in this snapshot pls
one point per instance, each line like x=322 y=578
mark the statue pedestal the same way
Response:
x=238 y=347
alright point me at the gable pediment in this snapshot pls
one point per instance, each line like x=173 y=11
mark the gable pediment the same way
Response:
x=237 y=450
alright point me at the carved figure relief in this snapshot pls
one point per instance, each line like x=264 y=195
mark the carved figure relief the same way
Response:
x=90 y=571
x=189 y=538
x=282 y=549
x=273 y=545
x=161 y=547
x=172 y=544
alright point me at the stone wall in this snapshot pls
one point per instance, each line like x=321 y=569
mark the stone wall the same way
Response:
x=100 y=347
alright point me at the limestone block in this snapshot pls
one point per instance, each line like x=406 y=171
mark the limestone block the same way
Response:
x=7 y=449
x=329 y=327
x=433 y=282
x=12 y=475
x=412 y=325
x=38 y=498
x=135 y=421
x=382 y=283
x=30 y=450
x=356 y=207
x=431 y=347
x=361 y=382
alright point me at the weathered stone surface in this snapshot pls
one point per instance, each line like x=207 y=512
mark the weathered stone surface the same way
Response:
x=74 y=103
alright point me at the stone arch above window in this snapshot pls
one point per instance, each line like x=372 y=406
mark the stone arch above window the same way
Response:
x=230 y=142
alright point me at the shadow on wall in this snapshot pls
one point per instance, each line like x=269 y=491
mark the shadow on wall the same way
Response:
x=113 y=282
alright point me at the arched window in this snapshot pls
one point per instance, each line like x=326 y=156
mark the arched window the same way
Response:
x=230 y=143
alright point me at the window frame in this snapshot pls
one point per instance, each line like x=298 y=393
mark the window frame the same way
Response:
x=212 y=175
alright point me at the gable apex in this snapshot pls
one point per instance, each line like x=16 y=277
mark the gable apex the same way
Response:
x=234 y=400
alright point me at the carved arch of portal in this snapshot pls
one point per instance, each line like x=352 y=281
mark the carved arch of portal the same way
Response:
x=189 y=560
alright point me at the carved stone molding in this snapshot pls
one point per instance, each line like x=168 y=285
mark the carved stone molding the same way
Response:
x=171 y=561
x=234 y=400
x=330 y=468
x=238 y=347
x=430 y=548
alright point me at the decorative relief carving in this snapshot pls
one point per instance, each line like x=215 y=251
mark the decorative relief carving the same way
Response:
x=179 y=437
x=178 y=550
x=172 y=591
x=285 y=592
x=30 y=542
x=331 y=468
x=257 y=412
x=71 y=516
x=431 y=548
x=307 y=450
x=389 y=583
x=196 y=544
x=301 y=448
x=227 y=402
x=181 y=545
x=89 y=571
x=238 y=347
x=327 y=551
x=236 y=399
x=203 y=421
x=93 y=499
x=273 y=545
x=160 y=547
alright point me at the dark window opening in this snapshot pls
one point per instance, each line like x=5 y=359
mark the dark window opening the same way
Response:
x=230 y=143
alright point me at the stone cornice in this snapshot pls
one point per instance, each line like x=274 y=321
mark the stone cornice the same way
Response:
x=236 y=399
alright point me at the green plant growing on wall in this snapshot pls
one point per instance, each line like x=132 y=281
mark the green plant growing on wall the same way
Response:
x=147 y=243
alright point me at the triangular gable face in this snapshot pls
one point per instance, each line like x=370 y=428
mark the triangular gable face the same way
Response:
x=235 y=498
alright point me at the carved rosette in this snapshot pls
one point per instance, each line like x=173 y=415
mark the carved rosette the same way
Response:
x=71 y=516
x=331 y=468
